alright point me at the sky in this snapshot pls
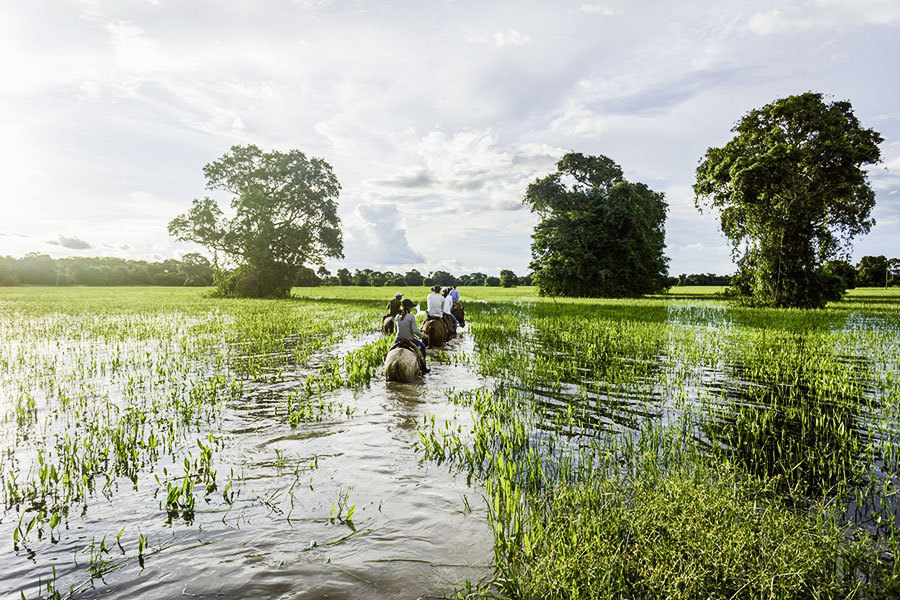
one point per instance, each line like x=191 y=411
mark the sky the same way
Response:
x=434 y=114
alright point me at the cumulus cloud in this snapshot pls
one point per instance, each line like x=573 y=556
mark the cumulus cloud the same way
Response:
x=72 y=243
x=825 y=14
x=384 y=239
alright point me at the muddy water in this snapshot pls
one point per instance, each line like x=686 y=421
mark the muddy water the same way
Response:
x=417 y=530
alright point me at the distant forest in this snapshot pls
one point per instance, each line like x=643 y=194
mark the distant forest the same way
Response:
x=196 y=270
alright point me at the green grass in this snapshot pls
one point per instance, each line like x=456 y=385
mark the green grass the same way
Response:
x=689 y=535
x=673 y=446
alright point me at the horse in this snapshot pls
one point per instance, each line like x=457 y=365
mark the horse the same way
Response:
x=435 y=333
x=387 y=324
x=401 y=364
x=403 y=361
x=458 y=312
x=447 y=320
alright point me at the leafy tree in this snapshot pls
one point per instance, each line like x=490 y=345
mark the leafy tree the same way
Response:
x=599 y=234
x=196 y=269
x=877 y=271
x=472 y=279
x=413 y=277
x=508 y=278
x=443 y=278
x=492 y=281
x=344 y=276
x=702 y=279
x=791 y=193
x=306 y=277
x=843 y=271
x=361 y=278
x=37 y=269
x=285 y=209
x=8 y=271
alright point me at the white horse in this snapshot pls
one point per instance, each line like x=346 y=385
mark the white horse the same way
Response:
x=401 y=364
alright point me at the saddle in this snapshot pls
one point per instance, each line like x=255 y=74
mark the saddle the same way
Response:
x=408 y=345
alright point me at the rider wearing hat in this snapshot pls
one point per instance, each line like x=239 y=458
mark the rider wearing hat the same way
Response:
x=407 y=329
x=394 y=306
x=435 y=303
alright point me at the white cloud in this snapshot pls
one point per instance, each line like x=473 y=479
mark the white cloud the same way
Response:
x=893 y=164
x=510 y=37
x=825 y=14
x=134 y=50
x=383 y=237
x=578 y=121
x=600 y=9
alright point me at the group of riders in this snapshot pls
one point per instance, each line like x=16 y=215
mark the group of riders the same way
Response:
x=441 y=304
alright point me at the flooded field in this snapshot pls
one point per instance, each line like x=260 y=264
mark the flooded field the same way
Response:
x=157 y=443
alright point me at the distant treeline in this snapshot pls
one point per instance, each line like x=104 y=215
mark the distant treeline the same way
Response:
x=40 y=269
x=870 y=271
x=196 y=270
x=307 y=277
x=700 y=279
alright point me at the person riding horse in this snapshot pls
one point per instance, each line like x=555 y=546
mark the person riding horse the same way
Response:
x=457 y=309
x=435 y=304
x=394 y=306
x=408 y=331
x=447 y=307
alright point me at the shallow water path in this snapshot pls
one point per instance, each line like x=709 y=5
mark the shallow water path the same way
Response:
x=342 y=507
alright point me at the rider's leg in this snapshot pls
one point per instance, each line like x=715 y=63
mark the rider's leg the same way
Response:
x=424 y=350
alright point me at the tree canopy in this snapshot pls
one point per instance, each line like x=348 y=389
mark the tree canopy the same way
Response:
x=599 y=234
x=791 y=193
x=285 y=215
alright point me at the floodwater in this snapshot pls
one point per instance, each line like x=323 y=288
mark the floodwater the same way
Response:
x=417 y=530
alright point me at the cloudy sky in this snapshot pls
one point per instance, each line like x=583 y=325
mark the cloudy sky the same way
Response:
x=435 y=114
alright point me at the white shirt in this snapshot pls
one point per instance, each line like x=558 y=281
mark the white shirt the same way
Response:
x=448 y=304
x=435 y=305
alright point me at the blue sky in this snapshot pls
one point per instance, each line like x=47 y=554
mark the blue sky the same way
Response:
x=434 y=114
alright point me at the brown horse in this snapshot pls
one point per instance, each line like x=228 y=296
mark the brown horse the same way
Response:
x=387 y=324
x=435 y=333
x=447 y=320
x=458 y=312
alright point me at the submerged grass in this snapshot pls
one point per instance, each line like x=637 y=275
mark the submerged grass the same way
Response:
x=685 y=449
x=107 y=390
x=668 y=447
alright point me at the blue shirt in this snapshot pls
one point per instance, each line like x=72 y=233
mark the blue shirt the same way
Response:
x=455 y=295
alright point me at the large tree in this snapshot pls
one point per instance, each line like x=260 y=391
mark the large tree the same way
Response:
x=285 y=215
x=792 y=193
x=599 y=234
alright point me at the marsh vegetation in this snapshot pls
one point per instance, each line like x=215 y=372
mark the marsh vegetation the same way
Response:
x=159 y=442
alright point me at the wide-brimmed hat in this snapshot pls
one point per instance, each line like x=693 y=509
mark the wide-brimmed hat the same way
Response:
x=408 y=304
x=398 y=294
x=435 y=288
